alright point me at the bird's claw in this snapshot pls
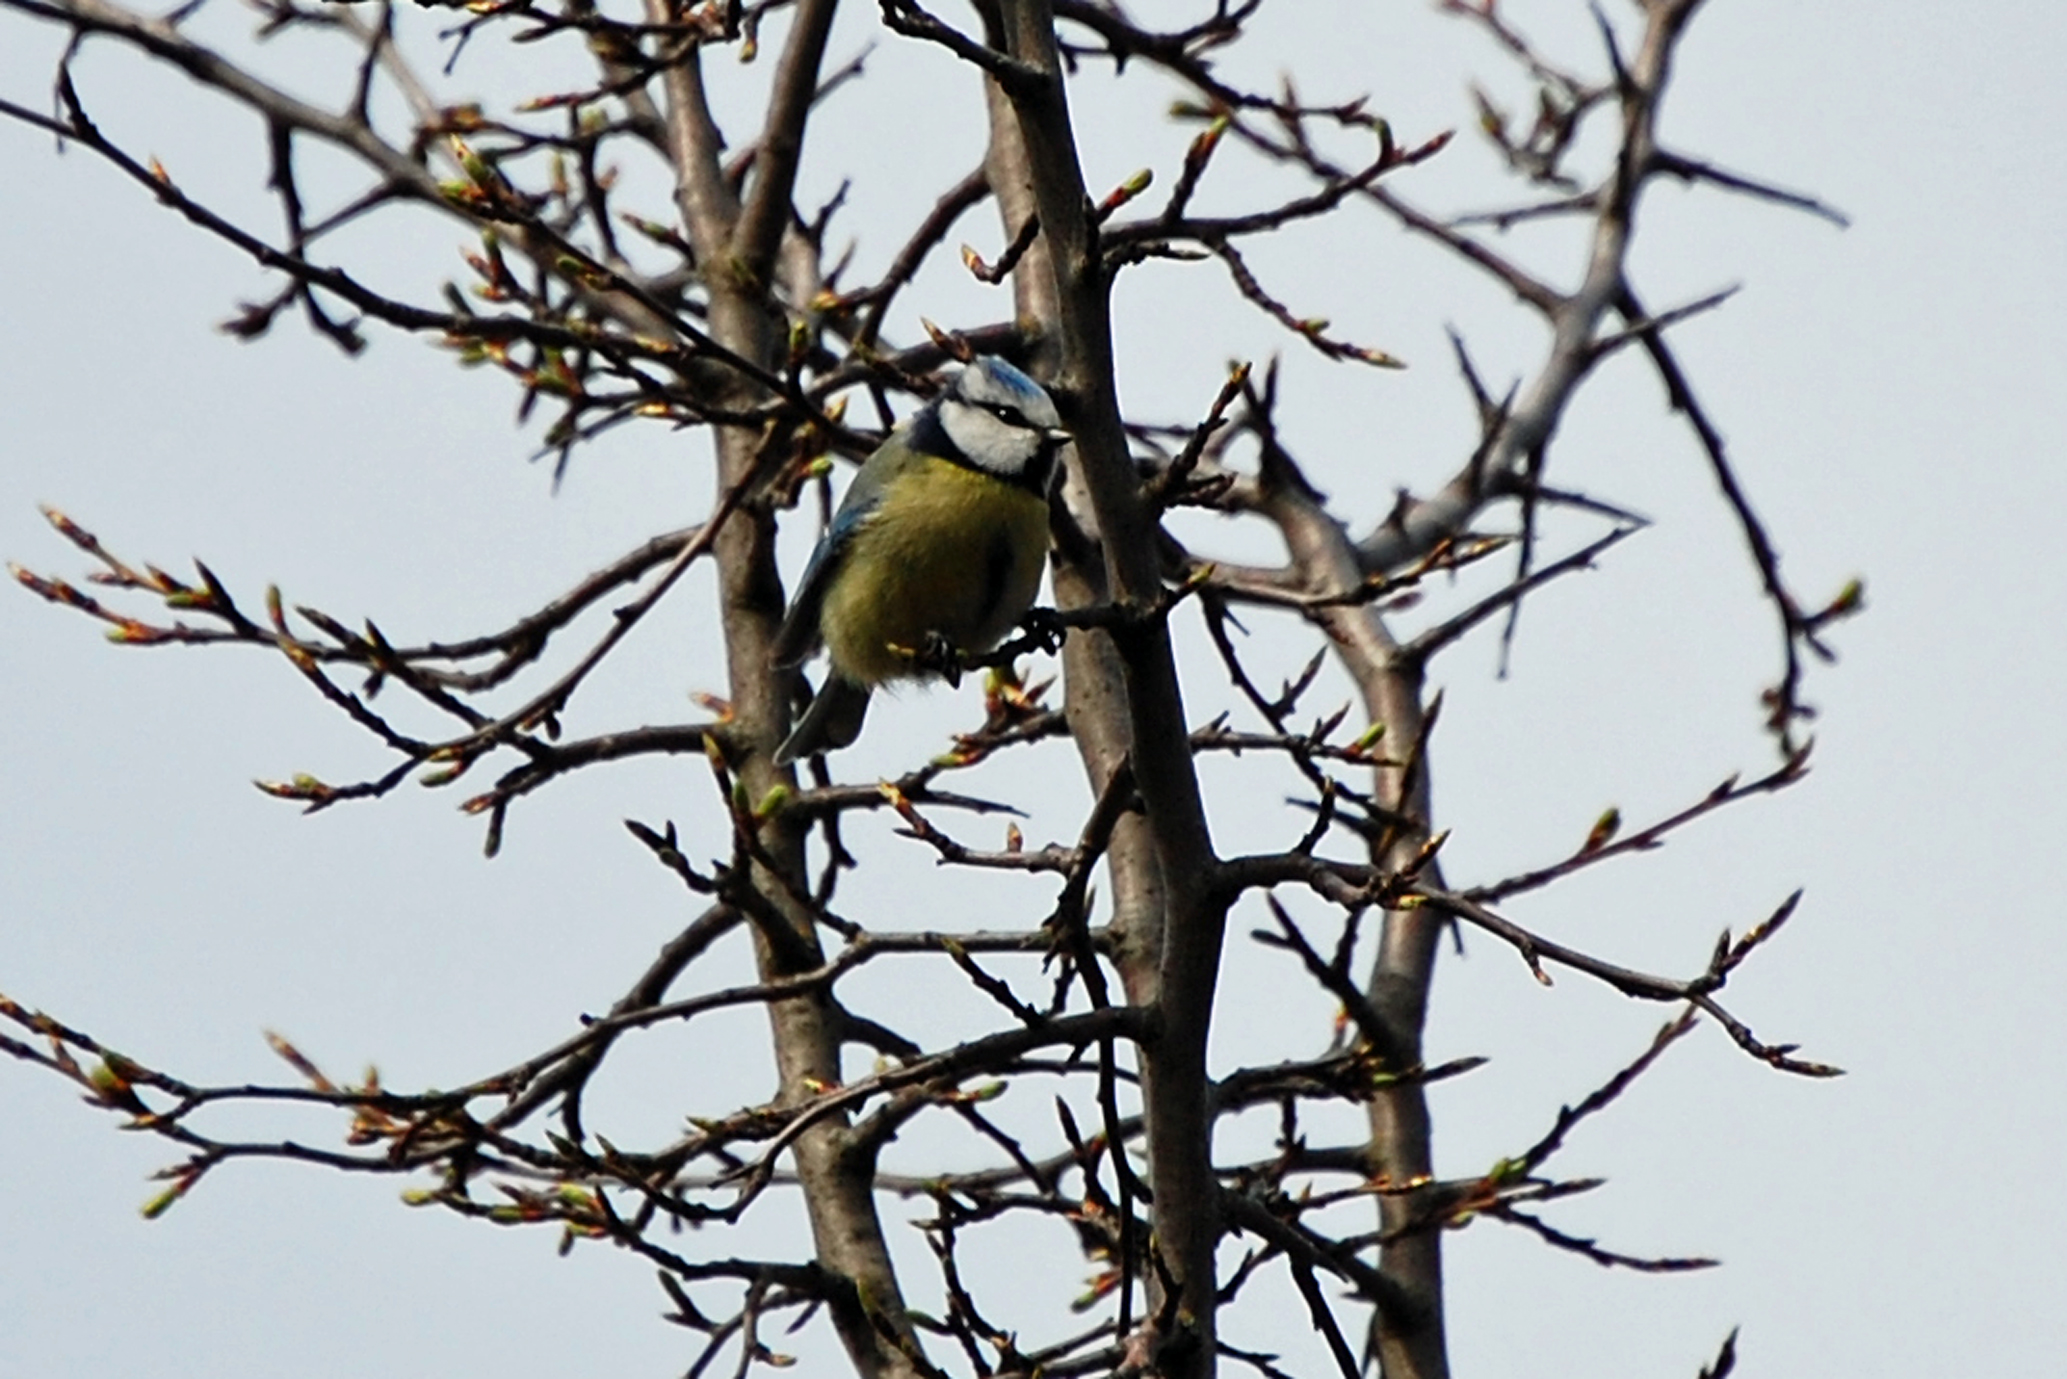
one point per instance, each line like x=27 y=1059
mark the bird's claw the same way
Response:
x=941 y=656
x=1045 y=626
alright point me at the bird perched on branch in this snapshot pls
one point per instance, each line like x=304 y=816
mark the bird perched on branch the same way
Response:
x=935 y=552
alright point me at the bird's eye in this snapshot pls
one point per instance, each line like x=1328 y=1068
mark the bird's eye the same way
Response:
x=1010 y=416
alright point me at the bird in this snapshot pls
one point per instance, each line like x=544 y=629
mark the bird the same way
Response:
x=935 y=552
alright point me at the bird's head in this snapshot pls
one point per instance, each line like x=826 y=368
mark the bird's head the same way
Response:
x=1002 y=421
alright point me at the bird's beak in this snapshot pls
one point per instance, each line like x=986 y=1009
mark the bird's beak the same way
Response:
x=1058 y=434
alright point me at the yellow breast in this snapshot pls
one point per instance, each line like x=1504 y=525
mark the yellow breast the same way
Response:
x=948 y=550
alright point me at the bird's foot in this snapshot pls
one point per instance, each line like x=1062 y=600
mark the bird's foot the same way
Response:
x=940 y=656
x=1046 y=627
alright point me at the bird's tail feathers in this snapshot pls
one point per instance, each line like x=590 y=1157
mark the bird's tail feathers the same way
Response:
x=832 y=721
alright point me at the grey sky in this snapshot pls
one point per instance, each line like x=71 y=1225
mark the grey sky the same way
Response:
x=1889 y=396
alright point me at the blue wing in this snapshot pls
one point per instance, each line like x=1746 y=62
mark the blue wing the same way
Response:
x=799 y=637
x=905 y=446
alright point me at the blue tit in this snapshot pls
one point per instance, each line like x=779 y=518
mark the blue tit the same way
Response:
x=937 y=547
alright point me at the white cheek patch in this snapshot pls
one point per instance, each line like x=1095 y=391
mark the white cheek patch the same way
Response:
x=988 y=442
